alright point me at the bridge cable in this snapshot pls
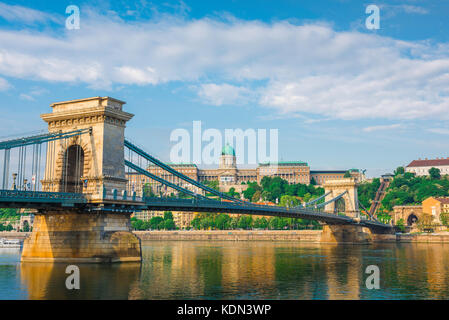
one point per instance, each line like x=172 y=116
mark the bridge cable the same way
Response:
x=162 y=181
x=331 y=200
x=317 y=199
x=177 y=173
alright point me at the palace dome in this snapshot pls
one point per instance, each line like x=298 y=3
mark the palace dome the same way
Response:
x=228 y=151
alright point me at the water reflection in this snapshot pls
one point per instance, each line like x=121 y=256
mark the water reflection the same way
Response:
x=252 y=270
x=47 y=281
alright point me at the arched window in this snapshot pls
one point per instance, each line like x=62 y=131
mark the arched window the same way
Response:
x=72 y=170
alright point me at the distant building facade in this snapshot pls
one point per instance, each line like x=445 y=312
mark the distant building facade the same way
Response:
x=421 y=167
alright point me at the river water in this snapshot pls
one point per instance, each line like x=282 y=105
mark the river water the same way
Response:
x=241 y=270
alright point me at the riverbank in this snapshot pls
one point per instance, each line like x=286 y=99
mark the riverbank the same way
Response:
x=257 y=235
x=276 y=235
x=232 y=235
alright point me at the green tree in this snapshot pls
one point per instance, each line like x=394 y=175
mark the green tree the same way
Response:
x=288 y=201
x=347 y=174
x=261 y=223
x=169 y=224
x=222 y=221
x=155 y=222
x=137 y=224
x=444 y=217
x=434 y=173
x=245 y=222
x=233 y=193
x=256 y=196
x=400 y=225
x=168 y=215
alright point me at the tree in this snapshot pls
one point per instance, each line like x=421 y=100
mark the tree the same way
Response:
x=196 y=223
x=288 y=201
x=261 y=223
x=400 y=225
x=256 y=196
x=168 y=215
x=214 y=184
x=347 y=175
x=222 y=221
x=137 y=224
x=435 y=173
x=155 y=222
x=233 y=193
x=399 y=170
x=444 y=217
x=245 y=222
x=169 y=224
x=426 y=222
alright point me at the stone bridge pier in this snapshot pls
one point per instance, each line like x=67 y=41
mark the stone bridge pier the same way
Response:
x=348 y=205
x=93 y=164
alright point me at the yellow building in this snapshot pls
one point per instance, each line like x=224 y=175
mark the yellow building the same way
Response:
x=435 y=206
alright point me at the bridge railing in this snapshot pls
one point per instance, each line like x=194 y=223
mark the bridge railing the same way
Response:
x=20 y=195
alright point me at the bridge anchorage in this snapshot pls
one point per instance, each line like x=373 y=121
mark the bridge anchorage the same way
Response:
x=84 y=179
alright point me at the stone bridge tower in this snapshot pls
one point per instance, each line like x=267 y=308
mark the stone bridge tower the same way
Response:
x=89 y=163
x=93 y=164
x=349 y=203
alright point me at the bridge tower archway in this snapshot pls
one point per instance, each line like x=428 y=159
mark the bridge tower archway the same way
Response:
x=73 y=169
x=102 y=148
x=348 y=203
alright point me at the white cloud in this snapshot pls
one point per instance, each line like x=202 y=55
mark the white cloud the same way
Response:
x=138 y=76
x=411 y=9
x=382 y=127
x=289 y=68
x=439 y=130
x=26 y=15
x=4 y=85
x=224 y=94
x=27 y=97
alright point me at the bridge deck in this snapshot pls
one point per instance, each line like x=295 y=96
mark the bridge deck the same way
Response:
x=42 y=200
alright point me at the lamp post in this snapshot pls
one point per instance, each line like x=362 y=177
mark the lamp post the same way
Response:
x=14 y=176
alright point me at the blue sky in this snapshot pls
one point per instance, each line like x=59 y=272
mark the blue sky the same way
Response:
x=342 y=96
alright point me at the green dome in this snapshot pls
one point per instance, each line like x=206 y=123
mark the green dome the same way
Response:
x=228 y=151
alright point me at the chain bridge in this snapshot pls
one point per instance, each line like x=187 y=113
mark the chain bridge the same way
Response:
x=77 y=178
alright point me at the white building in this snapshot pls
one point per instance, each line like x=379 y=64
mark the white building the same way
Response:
x=421 y=167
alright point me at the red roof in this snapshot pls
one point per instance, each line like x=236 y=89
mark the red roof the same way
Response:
x=443 y=200
x=429 y=163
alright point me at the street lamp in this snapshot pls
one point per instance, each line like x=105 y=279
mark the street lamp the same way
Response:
x=14 y=176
